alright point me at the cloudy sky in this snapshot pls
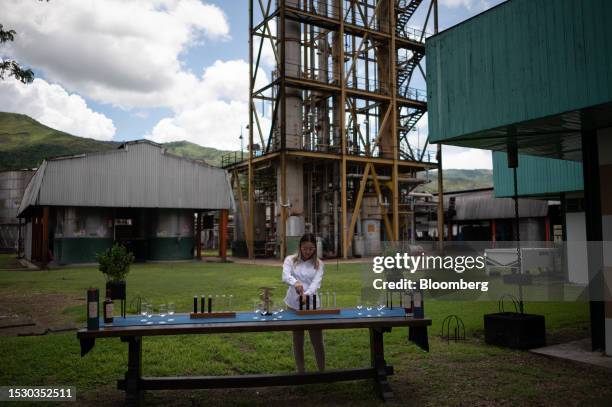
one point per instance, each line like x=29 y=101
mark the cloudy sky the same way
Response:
x=166 y=70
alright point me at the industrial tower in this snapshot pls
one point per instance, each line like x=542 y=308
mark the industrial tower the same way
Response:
x=331 y=143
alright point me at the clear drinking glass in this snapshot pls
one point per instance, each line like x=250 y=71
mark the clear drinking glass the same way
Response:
x=171 y=310
x=143 y=311
x=149 y=314
x=163 y=311
x=230 y=298
x=359 y=307
x=256 y=309
x=369 y=309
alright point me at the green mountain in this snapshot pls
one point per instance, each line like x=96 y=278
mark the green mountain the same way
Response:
x=196 y=152
x=24 y=143
x=456 y=180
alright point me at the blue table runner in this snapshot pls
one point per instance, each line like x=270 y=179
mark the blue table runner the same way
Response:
x=287 y=315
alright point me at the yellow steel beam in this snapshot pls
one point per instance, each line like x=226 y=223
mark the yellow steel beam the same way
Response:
x=249 y=232
x=313 y=154
x=357 y=207
x=380 y=202
x=261 y=138
x=236 y=178
x=381 y=127
x=267 y=30
x=342 y=101
x=394 y=130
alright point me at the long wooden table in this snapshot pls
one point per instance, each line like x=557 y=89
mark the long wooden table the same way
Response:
x=129 y=330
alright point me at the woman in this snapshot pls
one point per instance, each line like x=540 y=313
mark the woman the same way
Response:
x=303 y=273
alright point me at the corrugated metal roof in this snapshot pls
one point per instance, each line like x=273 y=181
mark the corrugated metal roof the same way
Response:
x=137 y=174
x=483 y=205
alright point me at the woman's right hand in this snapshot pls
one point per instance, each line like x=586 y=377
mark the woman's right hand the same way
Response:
x=299 y=288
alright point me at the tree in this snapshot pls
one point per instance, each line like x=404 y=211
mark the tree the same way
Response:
x=11 y=67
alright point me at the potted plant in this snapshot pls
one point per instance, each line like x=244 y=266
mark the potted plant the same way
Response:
x=115 y=265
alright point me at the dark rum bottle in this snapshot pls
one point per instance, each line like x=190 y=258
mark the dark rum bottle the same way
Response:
x=108 y=308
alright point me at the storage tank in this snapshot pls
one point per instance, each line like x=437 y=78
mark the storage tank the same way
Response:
x=371 y=235
x=12 y=187
x=172 y=235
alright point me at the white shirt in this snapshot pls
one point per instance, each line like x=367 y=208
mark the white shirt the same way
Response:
x=305 y=273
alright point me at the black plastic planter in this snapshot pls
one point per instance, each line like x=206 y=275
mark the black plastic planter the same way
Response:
x=515 y=330
x=117 y=289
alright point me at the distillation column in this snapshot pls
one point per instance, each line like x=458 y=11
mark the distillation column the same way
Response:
x=294 y=171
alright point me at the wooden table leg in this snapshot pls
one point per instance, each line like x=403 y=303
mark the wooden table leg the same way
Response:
x=133 y=389
x=377 y=356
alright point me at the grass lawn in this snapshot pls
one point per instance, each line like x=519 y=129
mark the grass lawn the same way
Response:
x=9 y=262
x=468 y=373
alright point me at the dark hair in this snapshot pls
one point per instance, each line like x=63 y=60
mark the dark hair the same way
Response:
x=308 y=238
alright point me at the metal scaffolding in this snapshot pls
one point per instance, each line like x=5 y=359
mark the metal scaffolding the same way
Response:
x=332 y=121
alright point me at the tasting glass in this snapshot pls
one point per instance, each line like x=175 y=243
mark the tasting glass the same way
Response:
x=149 y=314
x=359 y=307
x=163 y=311
x=256 y=309
x=144 y=311
x=369 y=308
x=171 y=310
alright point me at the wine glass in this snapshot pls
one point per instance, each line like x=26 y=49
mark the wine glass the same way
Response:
x=380 y=307
x=359 y=307
x=369 y=308
x=163 y=311
x=230 y=298
x=171 y=310
x=149 y=314
x=143 y=311
x=256 y=309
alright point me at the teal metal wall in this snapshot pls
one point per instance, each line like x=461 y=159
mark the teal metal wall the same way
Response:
x=536 y=176
x=79 y=249
x=171 y=248
x=521 y=60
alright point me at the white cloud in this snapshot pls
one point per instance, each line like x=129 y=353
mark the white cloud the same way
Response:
x=128 y=54
x=121 y=52
x=465 y=158
x=51 y=105
x=213 y=110
x=454 y=157
x=212 y=124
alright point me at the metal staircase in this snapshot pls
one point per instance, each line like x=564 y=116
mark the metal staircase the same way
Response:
x=406 y=9
x=405 y=69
